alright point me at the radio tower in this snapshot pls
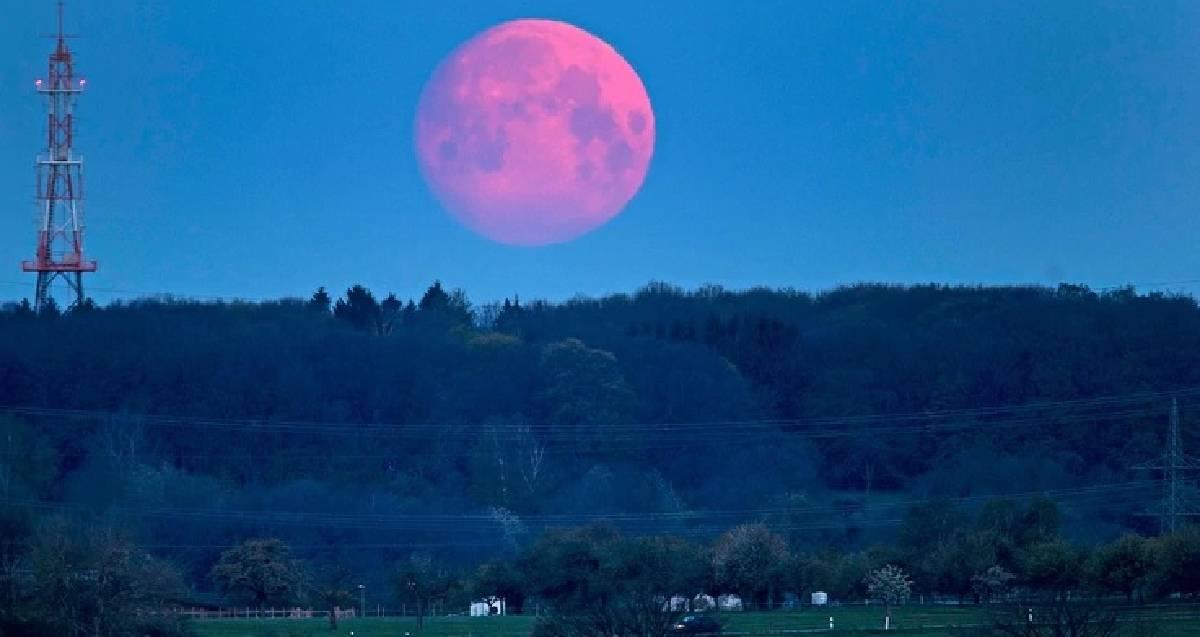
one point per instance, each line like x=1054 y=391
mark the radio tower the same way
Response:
x=59 y=253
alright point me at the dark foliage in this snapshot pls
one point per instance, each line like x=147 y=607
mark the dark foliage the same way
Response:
x=390 y=423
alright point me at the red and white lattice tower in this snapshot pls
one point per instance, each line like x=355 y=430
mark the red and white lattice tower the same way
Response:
x=59 y=253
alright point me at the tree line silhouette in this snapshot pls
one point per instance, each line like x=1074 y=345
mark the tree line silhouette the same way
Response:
x=359 y=428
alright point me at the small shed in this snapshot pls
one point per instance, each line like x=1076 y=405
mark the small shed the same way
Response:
x=727 y=603
x=699 y=603
x=488 y=607
x=703 y=602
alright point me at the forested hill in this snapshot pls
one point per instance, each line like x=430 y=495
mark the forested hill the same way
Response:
x=664 y=406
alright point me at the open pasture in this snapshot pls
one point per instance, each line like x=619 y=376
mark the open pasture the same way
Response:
x=911 y=621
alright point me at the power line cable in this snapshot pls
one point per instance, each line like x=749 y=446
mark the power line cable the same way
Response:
x=463 y=521
x=817 y=426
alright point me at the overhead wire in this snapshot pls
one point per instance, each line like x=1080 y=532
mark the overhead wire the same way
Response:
x=465 y=521
x=831 y=426
x=700 y=522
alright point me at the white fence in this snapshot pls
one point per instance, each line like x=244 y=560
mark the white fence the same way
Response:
x=250 y=612
x=264 y=613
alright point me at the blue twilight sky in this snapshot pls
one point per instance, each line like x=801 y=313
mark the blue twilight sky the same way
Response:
x=263 y=148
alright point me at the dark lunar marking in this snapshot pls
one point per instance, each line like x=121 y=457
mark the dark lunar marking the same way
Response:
x=579 y=85
x=491 y=151
x=585 y=170
x=619 y=157
x=448 y=150
x=589 y=122
x=637 y=122
x=514 y=110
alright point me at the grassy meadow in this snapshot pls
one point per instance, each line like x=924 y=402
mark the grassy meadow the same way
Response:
x=911 y=621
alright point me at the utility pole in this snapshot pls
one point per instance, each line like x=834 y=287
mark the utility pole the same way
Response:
x=59 y=250
x=1176 y=503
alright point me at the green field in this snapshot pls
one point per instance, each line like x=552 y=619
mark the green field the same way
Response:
x=912 y=621
x=366 y=627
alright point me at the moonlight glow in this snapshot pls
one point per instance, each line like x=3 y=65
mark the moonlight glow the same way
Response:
x=534 y=132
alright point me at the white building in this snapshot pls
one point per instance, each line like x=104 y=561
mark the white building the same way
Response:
x=491 y=606
x=703 y=602
x=699 y=603
x=728 y=603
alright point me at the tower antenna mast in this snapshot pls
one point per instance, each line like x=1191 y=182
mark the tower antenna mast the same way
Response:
x=59 y=252
x=1177 y=501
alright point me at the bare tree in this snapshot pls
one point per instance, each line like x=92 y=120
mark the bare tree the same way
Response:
x=510 y=526
x=501 y=466
x=333 y=590
x=532 y=455
x=422 y=580
x=122 y=441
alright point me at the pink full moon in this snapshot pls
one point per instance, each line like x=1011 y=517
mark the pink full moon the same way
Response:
x=534 y=132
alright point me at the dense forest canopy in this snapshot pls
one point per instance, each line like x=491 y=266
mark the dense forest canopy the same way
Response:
x=363 y=427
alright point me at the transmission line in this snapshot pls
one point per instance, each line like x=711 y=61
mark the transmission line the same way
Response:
x=1175 y=503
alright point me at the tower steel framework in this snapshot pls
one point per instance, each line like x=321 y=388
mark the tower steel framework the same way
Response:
x=59 y=253
x=1177 y=501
